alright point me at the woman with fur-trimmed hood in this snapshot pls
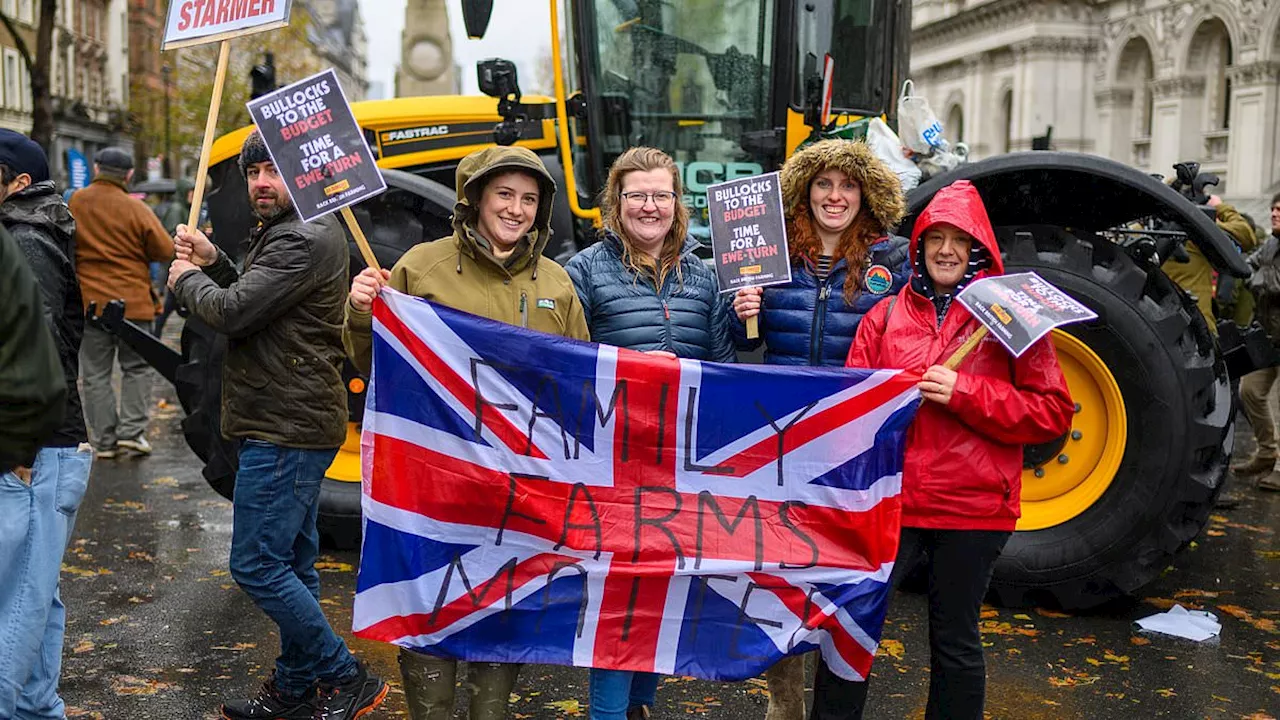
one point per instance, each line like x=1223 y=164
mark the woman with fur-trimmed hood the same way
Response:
x=841 y=203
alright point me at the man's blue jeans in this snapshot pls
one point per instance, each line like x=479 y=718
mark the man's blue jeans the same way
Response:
x=613 y=692
x=274 y=544
x=36 y=521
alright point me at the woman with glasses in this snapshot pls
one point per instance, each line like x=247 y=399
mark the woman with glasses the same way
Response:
x=642 y=288
x=840 y=203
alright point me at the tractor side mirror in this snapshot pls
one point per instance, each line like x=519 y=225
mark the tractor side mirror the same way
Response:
x=475 y=16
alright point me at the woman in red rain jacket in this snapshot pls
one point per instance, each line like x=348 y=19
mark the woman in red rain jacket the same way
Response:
x=961 y=478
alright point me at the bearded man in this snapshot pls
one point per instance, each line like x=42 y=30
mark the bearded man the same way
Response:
x=283 y=399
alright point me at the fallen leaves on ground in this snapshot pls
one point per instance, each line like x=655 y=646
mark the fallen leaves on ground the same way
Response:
x=1072 y=677
x=112 y=505
x=238 y=647
x=571 y=708
x=1239 y=613
x=1004 y=628
x=892 y=648
x=1166 y=692
x=334 y=566
x=1052 y=613
x=130 y=685
x=84 y=646
x=81 y=572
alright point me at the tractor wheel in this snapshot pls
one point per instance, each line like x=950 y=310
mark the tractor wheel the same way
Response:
x=1106 y=507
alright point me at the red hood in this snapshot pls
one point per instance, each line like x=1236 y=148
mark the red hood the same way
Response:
x=959 y=204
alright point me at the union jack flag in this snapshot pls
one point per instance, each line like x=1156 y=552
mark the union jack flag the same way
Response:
x=529 y=498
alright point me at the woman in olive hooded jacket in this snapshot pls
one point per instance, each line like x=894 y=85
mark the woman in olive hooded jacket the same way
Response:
x=492 y=266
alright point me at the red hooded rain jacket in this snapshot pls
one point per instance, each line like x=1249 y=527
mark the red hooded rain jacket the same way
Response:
x=963 y=468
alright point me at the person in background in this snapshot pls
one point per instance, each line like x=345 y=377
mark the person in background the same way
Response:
x=841 y=202
x=117 y=237
x=39 y=515
x=492 y=266
x=283 y=398
x=1256 y=388
x=962 y=474
x=1196 y=274
x=643 y=288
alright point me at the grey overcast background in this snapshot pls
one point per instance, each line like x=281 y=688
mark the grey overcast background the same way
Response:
x=519 y=31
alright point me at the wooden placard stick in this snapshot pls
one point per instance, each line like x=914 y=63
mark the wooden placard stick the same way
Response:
x=753 y=327
x=366 y=252
x=210 y=126
x=959 y=355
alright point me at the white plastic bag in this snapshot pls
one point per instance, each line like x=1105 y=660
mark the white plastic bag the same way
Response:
x=921 y=129
x=886 y=145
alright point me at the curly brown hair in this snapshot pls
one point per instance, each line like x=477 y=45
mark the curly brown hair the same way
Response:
x=644 y=159
x=805 y=245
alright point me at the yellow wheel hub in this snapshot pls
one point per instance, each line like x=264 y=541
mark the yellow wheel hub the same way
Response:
x=1070 y=483
x=346 y=464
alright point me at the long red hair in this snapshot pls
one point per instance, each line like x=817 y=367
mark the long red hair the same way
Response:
x=805 y=245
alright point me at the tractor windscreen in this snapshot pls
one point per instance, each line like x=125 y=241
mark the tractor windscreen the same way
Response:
x=691 y=78
x=857 y=35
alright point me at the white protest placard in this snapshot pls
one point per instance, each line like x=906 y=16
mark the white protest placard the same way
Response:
x=193 y=22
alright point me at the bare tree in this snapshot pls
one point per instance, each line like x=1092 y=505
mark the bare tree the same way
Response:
x=38 y=67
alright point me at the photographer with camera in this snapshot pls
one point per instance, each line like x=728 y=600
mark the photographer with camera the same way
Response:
x=1255 y=388
x=1195 y=274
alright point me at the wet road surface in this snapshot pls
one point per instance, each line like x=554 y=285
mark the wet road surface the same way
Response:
x=157 y=628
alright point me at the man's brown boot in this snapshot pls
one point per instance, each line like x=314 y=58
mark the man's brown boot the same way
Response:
x=1270 y=482
x=1255 y=465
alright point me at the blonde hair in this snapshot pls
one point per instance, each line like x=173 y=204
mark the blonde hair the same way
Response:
x=644 y=159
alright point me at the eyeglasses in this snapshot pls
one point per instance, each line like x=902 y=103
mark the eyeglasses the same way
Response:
x=662 y=198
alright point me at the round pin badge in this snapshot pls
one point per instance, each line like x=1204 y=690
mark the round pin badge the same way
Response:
x=878 y=280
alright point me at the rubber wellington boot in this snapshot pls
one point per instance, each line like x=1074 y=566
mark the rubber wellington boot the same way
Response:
x=428 y=685
x=490 y=685
x=786 y=689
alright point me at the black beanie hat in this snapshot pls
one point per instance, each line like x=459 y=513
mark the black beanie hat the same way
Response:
x=253 y=151
x=23 y=155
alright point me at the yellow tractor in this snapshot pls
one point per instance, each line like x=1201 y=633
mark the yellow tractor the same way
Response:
x=730 y=88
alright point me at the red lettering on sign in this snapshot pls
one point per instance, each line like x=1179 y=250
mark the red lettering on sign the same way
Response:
x=184 y=16
x=746 y=212
x=300 y=128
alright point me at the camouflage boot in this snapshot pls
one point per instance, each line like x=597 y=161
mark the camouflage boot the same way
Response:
x=428 y=685
x=490 y=685
x=786 y=689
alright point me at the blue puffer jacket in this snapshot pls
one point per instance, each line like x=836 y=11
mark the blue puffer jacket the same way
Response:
x=687 y=317
x=807 y=322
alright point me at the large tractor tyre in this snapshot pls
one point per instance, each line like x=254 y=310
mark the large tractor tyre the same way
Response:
x=1106 y=507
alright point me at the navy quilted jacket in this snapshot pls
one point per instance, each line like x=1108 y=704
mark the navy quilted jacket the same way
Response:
x=807 y=322
x=687 y=317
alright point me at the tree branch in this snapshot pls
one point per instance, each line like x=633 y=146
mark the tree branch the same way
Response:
x=19 y=42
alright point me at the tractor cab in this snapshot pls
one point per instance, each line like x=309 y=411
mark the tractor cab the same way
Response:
x=728 y=90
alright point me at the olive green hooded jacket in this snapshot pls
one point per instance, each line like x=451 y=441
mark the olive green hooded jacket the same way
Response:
x=459 y=271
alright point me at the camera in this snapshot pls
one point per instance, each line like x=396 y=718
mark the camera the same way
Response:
x=498 y=78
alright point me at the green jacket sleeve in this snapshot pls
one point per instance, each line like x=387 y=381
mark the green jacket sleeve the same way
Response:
x=32 y=389
x=1234 y=225
x=278 y=279
x=357 y=338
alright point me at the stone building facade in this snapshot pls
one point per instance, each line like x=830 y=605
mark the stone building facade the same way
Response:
x=1145 y=82
x=88 y=76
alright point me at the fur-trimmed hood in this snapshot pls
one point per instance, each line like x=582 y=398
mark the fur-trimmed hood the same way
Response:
x=881 y=189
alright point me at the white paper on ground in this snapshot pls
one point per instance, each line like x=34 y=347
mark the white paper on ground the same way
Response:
x=1180 y=622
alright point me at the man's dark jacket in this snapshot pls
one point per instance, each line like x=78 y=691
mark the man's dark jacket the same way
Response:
x=32 y=389
x=623 y=308
x=38 y=219
x=282 y=314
